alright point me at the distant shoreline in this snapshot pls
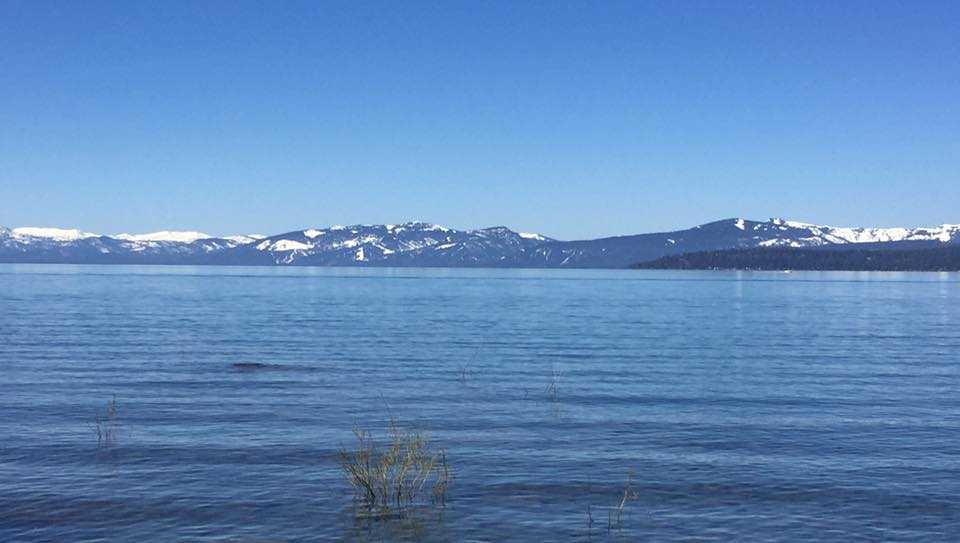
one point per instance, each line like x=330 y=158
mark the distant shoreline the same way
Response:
x=674 y=263
x=945 y=259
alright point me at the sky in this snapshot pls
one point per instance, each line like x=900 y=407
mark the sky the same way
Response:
x=574 y=119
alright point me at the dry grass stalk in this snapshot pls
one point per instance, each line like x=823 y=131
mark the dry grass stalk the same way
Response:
x=390 y=480
x=106 y=424
x=615 y=514
x=553 y=386
x=465 y=370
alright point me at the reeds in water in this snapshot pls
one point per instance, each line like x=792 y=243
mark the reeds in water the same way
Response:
x=394 y=478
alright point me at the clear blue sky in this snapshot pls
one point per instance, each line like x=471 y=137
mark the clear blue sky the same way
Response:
x=575 y=119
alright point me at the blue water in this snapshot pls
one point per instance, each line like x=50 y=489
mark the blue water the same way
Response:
x=751 y=406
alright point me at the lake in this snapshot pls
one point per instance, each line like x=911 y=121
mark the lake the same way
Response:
x=749 y=406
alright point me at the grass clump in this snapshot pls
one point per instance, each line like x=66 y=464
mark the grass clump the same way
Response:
x=394 y=478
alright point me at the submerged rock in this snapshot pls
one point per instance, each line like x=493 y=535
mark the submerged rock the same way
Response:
x=255 y=366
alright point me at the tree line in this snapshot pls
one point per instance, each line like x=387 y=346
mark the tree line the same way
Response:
x=787 y=258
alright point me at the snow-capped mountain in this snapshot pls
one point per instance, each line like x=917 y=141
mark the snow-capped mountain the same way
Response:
x=824 y=235
x=426 y=244
x=408 y=244
x=621 y=251
x=33 y=244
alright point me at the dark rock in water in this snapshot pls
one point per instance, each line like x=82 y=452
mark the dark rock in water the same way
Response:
x=255 y=366
x=261 y=366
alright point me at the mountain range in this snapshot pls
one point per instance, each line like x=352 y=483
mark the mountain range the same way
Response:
x=430 y=245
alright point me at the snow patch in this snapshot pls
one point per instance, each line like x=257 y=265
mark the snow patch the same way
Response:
x=244 y=239
x=165 y=235
x=349 y=244
x=840 y=235
x=426 y=226
x=58 y=234
x=283 y=245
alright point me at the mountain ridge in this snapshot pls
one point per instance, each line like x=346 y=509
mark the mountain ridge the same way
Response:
x=417 y=243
